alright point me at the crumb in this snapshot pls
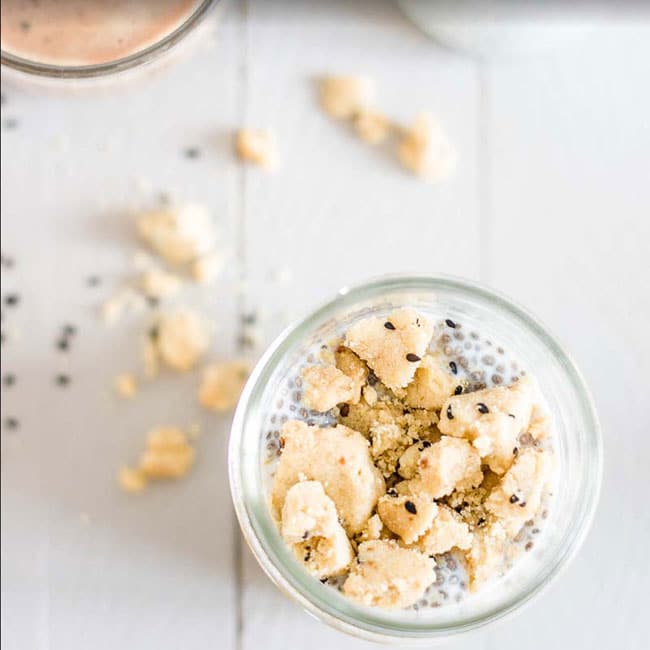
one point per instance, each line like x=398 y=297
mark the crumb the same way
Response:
x=338 y=458
x=310 y=526
x=344 y=97
x=179 y=235
x=182 y=339
x=206 y=269
x=257 y=146
x=126 y=385
x=372 y=126
x=222 y=385
x=156 y=283
x=447 y=531
x=124 y=301
x=392 y=346
x=132 y=480
x=168 y=454
x=388 y=576
x=326 y=386
x=426 y=150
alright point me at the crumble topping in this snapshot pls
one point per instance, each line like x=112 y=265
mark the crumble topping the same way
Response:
x=222 y=384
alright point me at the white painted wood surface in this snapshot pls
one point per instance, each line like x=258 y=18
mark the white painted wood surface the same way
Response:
x=550 y=204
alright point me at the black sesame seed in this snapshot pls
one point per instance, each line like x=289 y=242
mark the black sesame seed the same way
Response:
x=62 y=380
x=450 y=415
x=515 y=451
x=481 y=521
x=454 y=367
x=63 y=344
x=388 y=325
x=426 y=444
x=412 y=357
x=307 y=557
x=12 y=299
x=482 y=408
x=410 y=507
x=510 y=415
x=9 y=380
x=344 y=410
x=305 y=535
x=514 y=498
x=11 y=423
x=450 y=323
x=458 y=390
x=323 y=580
x=522 y=504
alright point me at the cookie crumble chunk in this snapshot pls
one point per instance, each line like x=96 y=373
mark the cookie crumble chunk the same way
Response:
x=326 y=386
x=222 y=384
x=386 y=575
x=392 y=346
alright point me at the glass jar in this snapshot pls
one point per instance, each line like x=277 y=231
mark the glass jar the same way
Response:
x=17 y=69
x=577 y=444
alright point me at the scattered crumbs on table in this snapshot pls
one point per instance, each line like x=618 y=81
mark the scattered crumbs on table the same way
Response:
x=9 y=380
x=62 y=380
x=126 y=385
x=10 y=124
x=192 y=153
x=11 y=423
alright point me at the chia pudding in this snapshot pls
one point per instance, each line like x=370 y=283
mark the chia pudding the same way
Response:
x=407 y=459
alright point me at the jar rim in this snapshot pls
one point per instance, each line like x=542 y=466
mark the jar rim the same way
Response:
x=301 y=588
x=146 y=54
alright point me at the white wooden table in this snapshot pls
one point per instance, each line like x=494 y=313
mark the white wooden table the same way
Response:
x=551 y=204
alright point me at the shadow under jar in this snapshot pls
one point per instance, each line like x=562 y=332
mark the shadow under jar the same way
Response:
x=485 y=316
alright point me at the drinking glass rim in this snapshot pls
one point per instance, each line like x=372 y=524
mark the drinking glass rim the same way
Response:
x=144 y=55
x=300 y=588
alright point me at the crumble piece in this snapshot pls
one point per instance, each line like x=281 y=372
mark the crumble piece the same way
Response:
x=178 y=236
x=386 y=575
x=407 y=516
x=257 y=146
x=132 y=480
x=326 y=386
x=126 y=385
x=540 y=423
x=431 y=385
x=448 y=530
x=125 y=300
x=374 y=529
x=408 y=461
x=222 y=384
x=156 y=283
x=337 y=457
x=372 y=126
x=518 y=496
x=447 y=465
x=350 y=364
x=310 y=526
x=206 y=269
x=168 y=454
x=393 y=346
x=344 y=97
x=182 y=339
x=426 y=150
x=492 y=419
x=370 y=395
x=485 y=558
